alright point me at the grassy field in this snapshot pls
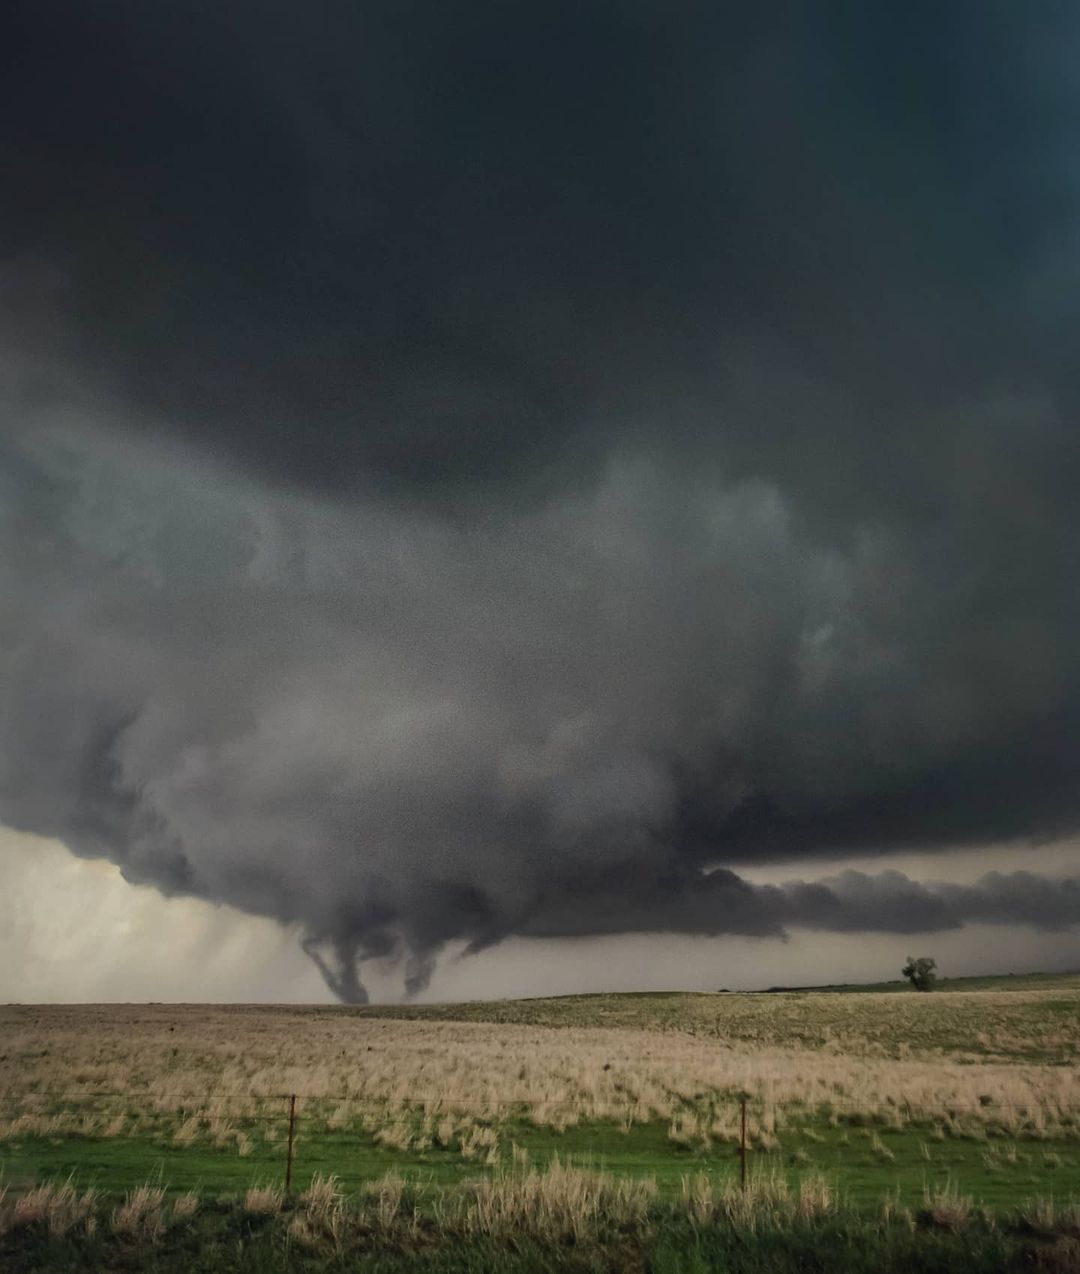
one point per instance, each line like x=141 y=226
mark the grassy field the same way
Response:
x=530 y=1222
x=879 y=1093
x=1017 y=1017
x=526 y=1222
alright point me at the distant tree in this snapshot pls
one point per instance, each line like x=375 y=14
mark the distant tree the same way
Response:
x=921 y=972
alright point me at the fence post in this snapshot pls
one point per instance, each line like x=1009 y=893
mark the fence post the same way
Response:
x=742 y=1144
x=288 y=1160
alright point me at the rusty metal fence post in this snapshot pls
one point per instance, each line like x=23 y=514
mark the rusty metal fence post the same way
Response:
x=289 y=1156
x=742 y=1143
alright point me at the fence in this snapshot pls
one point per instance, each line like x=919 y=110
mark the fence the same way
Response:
x=291 y=1142
x=50 y=1132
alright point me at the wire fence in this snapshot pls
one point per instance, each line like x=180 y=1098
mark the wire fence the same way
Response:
x=158 y=1116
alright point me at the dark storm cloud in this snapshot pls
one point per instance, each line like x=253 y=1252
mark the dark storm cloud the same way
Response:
x=468 y=470
x=854 y=902
x=435 y=242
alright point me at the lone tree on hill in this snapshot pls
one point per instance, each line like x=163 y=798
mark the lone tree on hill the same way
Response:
x=921 y=972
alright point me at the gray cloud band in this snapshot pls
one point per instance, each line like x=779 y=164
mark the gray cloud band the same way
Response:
x=853 y=902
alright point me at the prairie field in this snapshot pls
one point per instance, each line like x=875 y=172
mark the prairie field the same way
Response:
x=881 y=1099
x=882 y=1091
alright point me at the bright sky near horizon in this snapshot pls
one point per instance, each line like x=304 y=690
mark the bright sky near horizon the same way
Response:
x=72 y=930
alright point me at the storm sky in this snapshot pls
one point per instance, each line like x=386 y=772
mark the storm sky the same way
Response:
x=497 y=476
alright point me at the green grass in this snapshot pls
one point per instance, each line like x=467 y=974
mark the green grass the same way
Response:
x=863 y=1162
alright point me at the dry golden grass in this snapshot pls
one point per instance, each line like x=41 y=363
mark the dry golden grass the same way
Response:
x=263 y=1200
x=185 y=1205
x=766 y=1199
x=140 y=1217
x=321 y=1217
x=995 y=1022
x=59 y=1208
x=946 y=1208
x=386 y=1195
x=562 y=1203
x=194 y=1075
